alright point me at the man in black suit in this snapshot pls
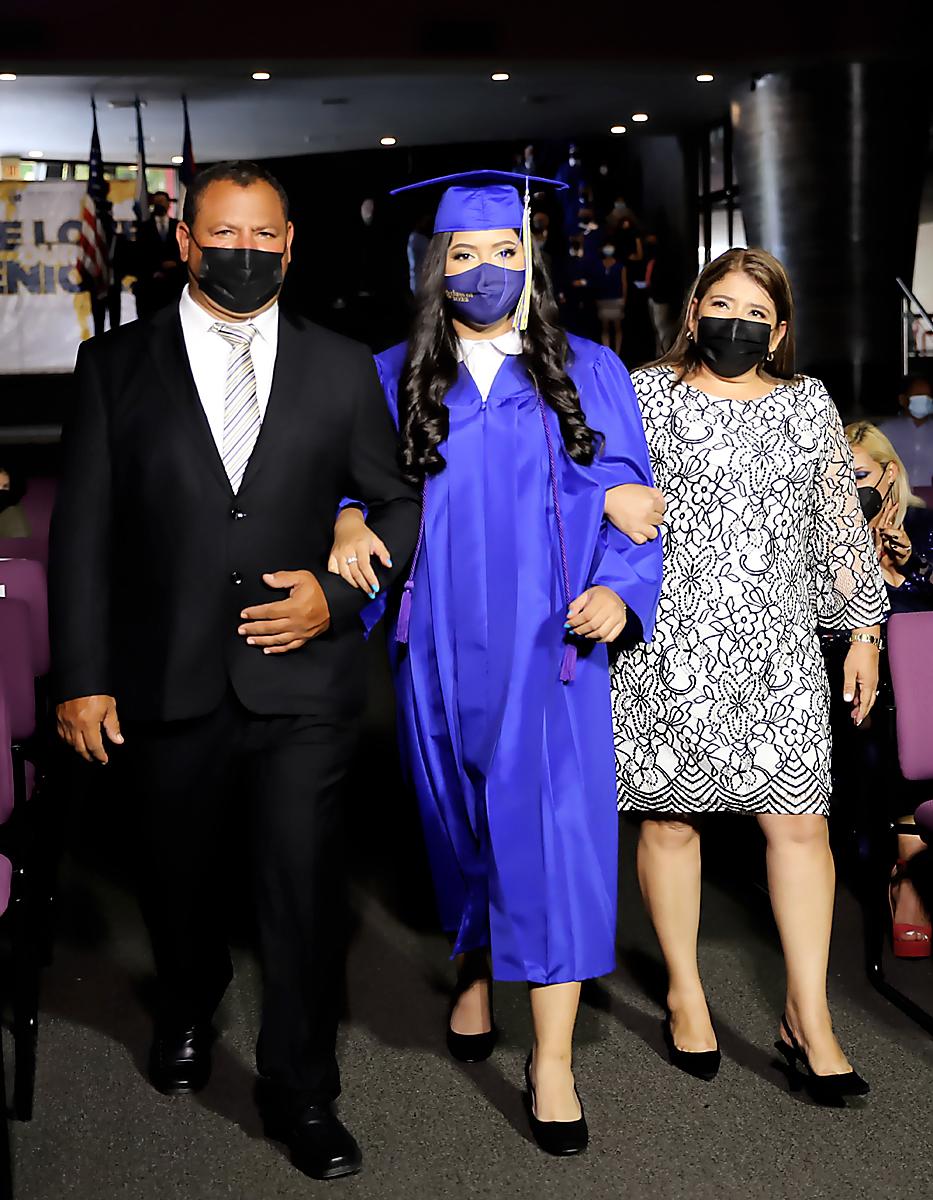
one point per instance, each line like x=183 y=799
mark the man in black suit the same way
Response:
x=160 y=272
x=205 y=458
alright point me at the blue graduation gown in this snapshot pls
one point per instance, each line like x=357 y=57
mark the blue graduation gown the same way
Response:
x=513 y=769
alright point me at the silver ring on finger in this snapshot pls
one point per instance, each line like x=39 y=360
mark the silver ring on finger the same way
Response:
x=351 y=559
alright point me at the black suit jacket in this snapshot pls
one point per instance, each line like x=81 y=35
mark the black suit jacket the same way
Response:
x=152 y=557
x=152 y=251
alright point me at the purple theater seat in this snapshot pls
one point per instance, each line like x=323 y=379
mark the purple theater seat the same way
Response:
x=6 y=879
x=6 y=763
x=28 y=547
x=910 y=653
x=24 y=579
x=38 y=503
x=17 y=677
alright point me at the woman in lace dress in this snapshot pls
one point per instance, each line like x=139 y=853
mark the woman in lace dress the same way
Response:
x=727 y=710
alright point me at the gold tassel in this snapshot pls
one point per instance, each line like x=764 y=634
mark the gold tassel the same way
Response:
x=520 y=320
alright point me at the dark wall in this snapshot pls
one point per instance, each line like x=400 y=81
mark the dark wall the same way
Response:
x=830 y=163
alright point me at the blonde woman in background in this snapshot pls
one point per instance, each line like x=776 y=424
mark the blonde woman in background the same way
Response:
x=902 y=529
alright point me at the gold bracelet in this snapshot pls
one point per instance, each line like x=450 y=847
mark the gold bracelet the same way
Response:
x=868 y=638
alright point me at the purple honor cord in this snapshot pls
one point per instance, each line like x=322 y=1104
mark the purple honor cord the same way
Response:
x=568 y=665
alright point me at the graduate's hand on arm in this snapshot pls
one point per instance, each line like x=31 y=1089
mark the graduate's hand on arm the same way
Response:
x=598 y=614
x=287 y=624
x=354 y=545
x=83 y=722
x=636 y=510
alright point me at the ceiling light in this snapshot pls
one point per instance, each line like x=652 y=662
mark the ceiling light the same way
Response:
x=387 y=141
x=639 y=118
x=178 y=159
x=705 y=78
x=617 y=129
x=500 y=77
x=35 y=153
x=7 y=77
x=261 y=76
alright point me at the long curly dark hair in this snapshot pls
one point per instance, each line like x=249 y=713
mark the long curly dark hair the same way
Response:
x=431 y=369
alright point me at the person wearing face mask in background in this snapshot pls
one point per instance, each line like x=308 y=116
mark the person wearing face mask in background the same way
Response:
x=198 y=640
x=727 y=710
x=611 y=293
x=160 y=275
x=499 y=656
x=13 y=521
x=911 y=431
x=902 y=528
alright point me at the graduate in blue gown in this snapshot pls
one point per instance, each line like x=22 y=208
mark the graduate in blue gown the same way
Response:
x=516 y=431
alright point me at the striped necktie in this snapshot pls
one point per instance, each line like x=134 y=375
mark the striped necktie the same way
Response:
x=242 y=419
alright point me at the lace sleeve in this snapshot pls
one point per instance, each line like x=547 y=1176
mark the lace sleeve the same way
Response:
x=848 y=587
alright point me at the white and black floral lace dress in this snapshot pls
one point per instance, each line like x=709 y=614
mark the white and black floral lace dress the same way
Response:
x=727 y=710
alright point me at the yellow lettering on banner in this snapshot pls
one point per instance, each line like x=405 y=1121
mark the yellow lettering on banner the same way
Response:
x=82 y=303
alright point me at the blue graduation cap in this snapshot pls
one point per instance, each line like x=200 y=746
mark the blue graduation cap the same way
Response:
x=483 y=200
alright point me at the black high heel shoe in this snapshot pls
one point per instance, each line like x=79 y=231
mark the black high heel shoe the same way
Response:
x=560 y=1138
x=824 y=1089
x=701 y=1064
x=471 y=1047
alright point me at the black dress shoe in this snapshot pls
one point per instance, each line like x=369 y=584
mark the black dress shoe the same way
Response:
x=830 y=1090
x=321 y=1146
x=701 y=1064
x=180 y=1059
x=560 y=1138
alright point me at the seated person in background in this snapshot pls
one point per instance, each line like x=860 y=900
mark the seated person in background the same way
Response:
x=902 y=527
x=13 y=521
x=911 y=430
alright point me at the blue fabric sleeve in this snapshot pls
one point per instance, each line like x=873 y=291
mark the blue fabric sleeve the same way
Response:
x=633 y=572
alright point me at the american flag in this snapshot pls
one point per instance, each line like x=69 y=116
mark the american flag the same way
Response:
x=94 y=264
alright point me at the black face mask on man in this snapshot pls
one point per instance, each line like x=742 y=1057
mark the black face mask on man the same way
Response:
x=730 y=346
x=239 y=279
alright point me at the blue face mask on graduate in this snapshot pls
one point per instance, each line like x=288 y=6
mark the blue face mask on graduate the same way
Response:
x=484 y=294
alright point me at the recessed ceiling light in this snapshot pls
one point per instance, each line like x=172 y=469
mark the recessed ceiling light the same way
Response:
x=178 y=159
x=617 y=129
x=7 y=77
x=500 y=77
x=261 y=76
x=35 y=153
x=639 y=117
x=705 y=78
x=387 y=141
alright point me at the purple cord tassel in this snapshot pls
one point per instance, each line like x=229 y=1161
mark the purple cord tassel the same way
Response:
x=404 y=614
x=404 y=608
x=568 y=667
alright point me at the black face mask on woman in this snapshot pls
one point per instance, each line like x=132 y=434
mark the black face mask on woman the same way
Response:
x=871 y=499
x=730 y=346
x=241 y=280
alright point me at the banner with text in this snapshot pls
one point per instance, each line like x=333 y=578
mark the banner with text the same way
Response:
x=44 y=316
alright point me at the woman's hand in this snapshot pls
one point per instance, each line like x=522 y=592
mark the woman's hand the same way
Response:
x=598 y=614
x=636 y=510
x=895 y=548
x=860 y=679
x=354 y=545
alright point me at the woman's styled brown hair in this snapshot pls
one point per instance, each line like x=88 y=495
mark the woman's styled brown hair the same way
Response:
x=771 y=277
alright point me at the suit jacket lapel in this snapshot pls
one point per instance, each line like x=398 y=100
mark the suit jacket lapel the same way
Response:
x=167 y=349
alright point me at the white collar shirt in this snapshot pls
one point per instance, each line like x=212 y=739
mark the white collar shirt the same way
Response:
x=209 y=356
x=484 y=357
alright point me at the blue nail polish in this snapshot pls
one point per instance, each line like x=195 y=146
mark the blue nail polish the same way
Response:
x=566 y=624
